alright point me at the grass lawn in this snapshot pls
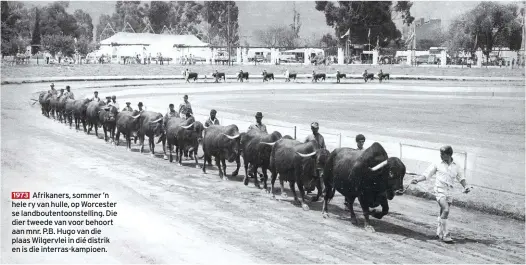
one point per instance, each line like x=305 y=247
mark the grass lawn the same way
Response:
x=32 y=70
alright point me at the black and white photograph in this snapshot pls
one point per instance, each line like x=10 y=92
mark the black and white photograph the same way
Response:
x=262 y=132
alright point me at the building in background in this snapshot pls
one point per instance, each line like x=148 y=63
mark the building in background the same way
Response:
x=125 y=44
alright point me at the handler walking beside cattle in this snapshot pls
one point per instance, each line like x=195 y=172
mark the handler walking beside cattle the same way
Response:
x=128 y=108
x=95 y=96
x=318 y=138
x=185 y=107
x=258 y=125
x=360 y=141
x=446 y=172
x=212 y=120
x=68 y=93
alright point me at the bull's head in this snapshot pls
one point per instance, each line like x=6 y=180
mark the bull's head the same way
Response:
x=112 y=113
x=157 y=126
x=395 y=169
x=234 y=146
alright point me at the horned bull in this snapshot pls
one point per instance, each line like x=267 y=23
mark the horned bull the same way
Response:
x=108 y=120
x=127 y=123
x=295 y=162
x=256 y=147
x=222 y=142
x=188 y=137
x=151 y=125
x=369 y=175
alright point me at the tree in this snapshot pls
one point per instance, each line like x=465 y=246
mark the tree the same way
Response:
x=488 y=25
x=103 y=21
x=276 y=36
x=84 y=46
x=35 y=40
x=15 y=28
x=59 y=43
x=84 y=25
x=296 y=21
x=130 y=12
x=55 y=20
x=328 y=41
x=364 y=16
x=217 y=17
x=159 y=15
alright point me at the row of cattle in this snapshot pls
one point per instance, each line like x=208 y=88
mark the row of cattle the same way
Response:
x=291 y=76
x=369 y=175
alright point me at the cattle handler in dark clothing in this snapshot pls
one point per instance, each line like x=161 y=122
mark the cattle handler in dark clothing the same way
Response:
x=260 y=127
x=318 y=138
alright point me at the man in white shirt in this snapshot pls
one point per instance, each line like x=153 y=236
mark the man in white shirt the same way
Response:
x=113 y=102
x=95 y=96
x=447 y=171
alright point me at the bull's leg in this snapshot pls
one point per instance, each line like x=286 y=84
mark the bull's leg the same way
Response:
x=223 y=161
x=293 y=189
x=179 y=151
x=96 y=129
x=238 y=165
x=195 y=156
x=385 y=210
x=164 y=148
x=265 y=176
x=302 y=194
x=141 y=142
x=151 y=141
x=365 y=210
x=105 y=133
x=350 y=201
x=218 y=164
x=128 y=142
x=273 y=177
x=255 y=172
x=117 y=138
x=84 y=125
x=282 y=186
x=205 y=159
x=245 y=179
x=112 y=133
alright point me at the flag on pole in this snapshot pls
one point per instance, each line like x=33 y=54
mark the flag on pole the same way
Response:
x=346 y=33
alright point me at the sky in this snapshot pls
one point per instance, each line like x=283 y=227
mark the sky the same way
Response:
x=259 y=14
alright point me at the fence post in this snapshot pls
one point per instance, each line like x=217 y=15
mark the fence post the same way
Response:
x=294 y=132
x=339 y=140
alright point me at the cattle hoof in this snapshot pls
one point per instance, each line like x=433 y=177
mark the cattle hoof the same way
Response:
x=369 y=228
x=165 y=157
x=245 y=181
x=305 y=207
x=225 y=178
x=180 y=164
x=257 y=185
x=354 y=221
x=325 y=215
x=152 y=155
x=235 y=173
x=284 y=195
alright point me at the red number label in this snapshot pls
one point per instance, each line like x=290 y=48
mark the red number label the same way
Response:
x=20 y=195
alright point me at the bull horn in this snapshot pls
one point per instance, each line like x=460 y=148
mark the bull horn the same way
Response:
x=307 y=155
x=379 y=166
x=231 y=137
x=271 y=144
x=158 y=120
x=188 y=126
x=135 y=117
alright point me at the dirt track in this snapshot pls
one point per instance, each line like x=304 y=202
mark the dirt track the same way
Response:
x=171 y=214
